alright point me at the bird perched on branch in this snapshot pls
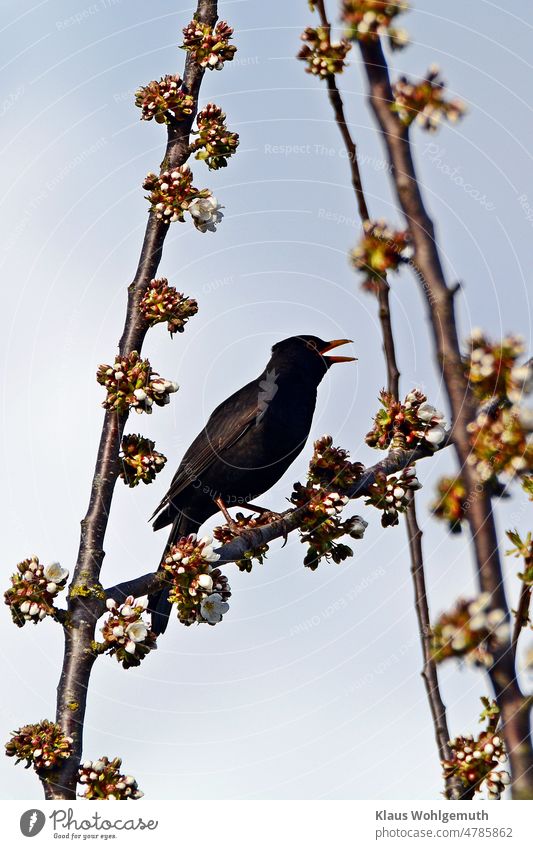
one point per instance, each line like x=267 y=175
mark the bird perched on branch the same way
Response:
x=248 y=443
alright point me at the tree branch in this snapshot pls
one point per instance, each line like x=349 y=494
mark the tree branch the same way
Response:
x=85 y=592
x=441 y=310
x=438 y=710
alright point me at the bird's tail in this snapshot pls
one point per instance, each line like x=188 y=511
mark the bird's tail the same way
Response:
x=158 y=604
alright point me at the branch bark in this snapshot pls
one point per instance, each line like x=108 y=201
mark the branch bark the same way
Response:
x=441 y=311
x=85 y=591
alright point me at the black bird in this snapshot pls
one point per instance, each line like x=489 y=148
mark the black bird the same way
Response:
x=248 y=443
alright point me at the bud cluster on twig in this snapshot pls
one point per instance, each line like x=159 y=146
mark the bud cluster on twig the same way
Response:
x=214 y=143
x=209 y=46
x=162 y=302
x=102 y=779
x=42 y=745
x=502 y=442
x=126 y=635
x=324 y=497
x=323 y=56
x=131 y=384
x=475 y=761
x=450 y=503
x=164 y=100
x=139 y=461
x=425 y=101
x=34 y=588
x=391 y=494
x=199 y=590
x=408 y=424
x=493 y=370
x=172 y=195
x=471 y=631
x=367 y=20
x=380 y=251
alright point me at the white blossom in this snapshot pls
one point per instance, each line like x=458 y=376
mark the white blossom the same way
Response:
x=137 y=631
x=435 y=435
x=55 y=572
x=206 y=213
x=213 y=607
x=205 y=582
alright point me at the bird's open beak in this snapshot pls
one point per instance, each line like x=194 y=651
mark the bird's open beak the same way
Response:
x=335 y=343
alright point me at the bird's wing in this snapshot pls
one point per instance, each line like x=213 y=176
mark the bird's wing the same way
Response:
x=226 y=425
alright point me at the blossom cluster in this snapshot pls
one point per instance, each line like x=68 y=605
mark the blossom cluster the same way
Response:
x=367 y=20
x=415 y=422
x=199 y=590
x=493 y=371
x=323 y=56
x=502 y=442
x=391 y=494
x=102 y=779
x=425 y=101
x=476 y=761
x=322 y=526
x=450 y=503
x=161 y=99
x=33 y=590
x=241 y=524
x=331 y=466
x=214 y=143
x=125 y=634
x=172 y=195
x=380 y=250
x=330 y=476
x=42 y=745
x=472 y=630
x=209 y=46
x=162 y=302
x=138 y=460
x=131 y=384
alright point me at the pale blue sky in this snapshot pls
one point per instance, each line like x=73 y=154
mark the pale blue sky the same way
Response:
x=310 y=688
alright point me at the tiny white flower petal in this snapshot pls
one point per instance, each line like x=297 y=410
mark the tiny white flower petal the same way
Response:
x=436 y=435
x=55 y=572
x=426 y=412
x=205 y=582
x=130 y=647
x=137 y=631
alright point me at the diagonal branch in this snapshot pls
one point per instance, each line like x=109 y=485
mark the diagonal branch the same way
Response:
x=85 y=591
x=395 y=461
x=440 y=302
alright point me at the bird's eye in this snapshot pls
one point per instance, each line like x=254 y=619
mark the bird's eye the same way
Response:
x=311 y=345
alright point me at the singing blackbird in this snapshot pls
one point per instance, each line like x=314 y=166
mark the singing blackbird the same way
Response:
x=248 y=443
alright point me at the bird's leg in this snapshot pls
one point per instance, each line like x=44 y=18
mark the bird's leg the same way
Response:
x=225 y=512
x=271 y=514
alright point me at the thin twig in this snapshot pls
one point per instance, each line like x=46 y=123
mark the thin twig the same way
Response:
x=440 y=301
x=85 y=591
x=521 y=615
x=438 y=710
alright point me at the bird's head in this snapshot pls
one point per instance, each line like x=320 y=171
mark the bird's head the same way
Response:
x=308 y=354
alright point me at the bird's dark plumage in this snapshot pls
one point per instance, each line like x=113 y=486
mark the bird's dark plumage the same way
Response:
x=248 y=443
